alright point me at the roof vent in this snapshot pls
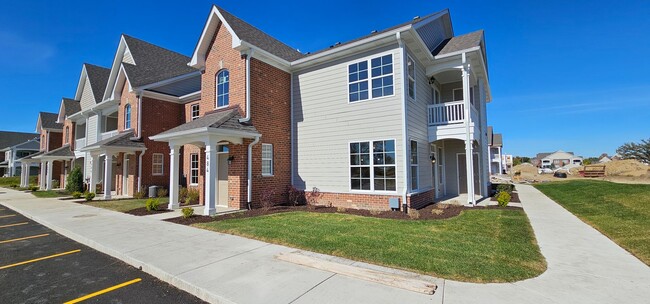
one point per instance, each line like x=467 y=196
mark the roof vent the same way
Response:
x=373 y=31
x=416 y=17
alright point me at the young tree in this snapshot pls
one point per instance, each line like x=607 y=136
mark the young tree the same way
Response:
x=639 y=151
x=75 y=181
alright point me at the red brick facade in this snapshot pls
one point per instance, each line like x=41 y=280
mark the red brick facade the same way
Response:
x=54 y=142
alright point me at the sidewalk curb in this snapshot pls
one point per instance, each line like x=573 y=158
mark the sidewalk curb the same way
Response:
x=173 y=280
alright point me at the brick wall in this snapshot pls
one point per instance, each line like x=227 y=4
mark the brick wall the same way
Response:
x=70 y=126
x=422 y=199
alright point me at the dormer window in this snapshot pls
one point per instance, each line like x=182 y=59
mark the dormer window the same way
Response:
x=127 y=117
x=223 y=88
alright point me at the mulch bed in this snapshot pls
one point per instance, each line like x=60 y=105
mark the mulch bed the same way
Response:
x=514 y=198
x=143 y=211
x=431 y=212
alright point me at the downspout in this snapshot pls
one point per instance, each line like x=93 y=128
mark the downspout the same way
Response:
x=404 y=124
x=249 y=54
x=249 y=184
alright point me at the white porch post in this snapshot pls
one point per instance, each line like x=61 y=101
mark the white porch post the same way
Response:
x=41 y=180
x=173 y=176
x=500 y=162
x=108 y=173
x=22 y=175
x=469 y=156
x=211 y=190
x=125 y=174
x=94 y=173
x=49 y=175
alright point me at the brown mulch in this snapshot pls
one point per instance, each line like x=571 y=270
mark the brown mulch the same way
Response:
x=431 y=212
x=143 y=211
x=514 y=198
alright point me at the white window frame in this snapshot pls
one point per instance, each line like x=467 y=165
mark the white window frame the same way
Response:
x=372 y=167
x=154 y=163
x=410 y=78
x=370 y=78
x=453 y=95
x=267 y=159
x=194 y=170
x=414 y=166
x=192 y=110
x=216 y=90
x=127 y=120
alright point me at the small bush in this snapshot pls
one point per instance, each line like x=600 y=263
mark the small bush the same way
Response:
x=414 y=214
x=192 y=196
x=295 y=195
x=182 y=195
x=90 y=196
x=162 y=192
x=55 y=184
x=14 y=186
x=341 y=209
x=33 y=188
x=76 y=194
x=140 y=194
x=505 y=188
x=313 y=196
x=503 y=198
x=266 y=198
x=187 y=212
x=75 y=180
x=152 y=204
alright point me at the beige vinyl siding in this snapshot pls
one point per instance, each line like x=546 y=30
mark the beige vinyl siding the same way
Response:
x=87 y=98
x=325 y=123
x=452 y=148
x=418 y=125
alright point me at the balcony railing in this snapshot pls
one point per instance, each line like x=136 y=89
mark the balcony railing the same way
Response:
x=108 y=134
x=449 y=113
x=79 y=143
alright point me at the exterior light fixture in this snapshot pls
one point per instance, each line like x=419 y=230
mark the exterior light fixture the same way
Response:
x=230 y=159
x=433 y=158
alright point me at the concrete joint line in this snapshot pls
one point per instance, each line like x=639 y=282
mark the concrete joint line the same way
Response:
x=310 y=289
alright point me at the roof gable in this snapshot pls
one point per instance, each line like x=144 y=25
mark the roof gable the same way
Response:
x=10 y=139
x=67 y=108
x=96 y=77
x=47 y=120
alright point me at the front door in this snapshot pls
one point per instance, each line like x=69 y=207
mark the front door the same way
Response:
x=222 y=180
x=462 y=174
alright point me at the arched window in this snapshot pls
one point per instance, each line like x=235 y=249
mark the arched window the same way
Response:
x=223 y=88
x=127 y=117
x=67 y=134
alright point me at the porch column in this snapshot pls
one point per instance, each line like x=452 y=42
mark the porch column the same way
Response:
x=211 y=190
x=49 y=175
x=94 y=173
x=173 y=177
x=125 y=175
x=22 y=175
x=108 y=172
x=469 y=156
x=41 y=179
x=500 y=162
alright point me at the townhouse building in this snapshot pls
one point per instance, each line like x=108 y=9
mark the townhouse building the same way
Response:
x=14 y=146
x=497 y=159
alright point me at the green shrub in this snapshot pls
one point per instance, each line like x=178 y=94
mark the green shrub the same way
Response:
x=505 y=188
x=503 y=198
x=33 y=188
x=187 y=212
x=55 y=184
x=152 y=204
x=192 y=196
x=89 y=196
x=162 y=192
x=14 y=186
x=75 y=181
x=6 y=181
x=140 y=194
x=77 y=194
x=182 y=195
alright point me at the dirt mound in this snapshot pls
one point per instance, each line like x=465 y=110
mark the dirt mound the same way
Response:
x=525 y=168
x=627 y=167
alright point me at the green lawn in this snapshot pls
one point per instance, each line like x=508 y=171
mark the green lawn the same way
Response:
x=125 y=205
x=49 y=193
x=495 y=245
x=620 y=211
x=15 y=180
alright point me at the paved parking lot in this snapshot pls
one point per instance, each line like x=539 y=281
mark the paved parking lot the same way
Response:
x=37 y=265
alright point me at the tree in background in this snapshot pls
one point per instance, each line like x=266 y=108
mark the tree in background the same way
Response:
x=518 y=160
x=75 y=181
x=639 y=151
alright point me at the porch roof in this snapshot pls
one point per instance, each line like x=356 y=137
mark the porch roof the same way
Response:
x=227 y=120
x=121 y=140
x=459 y=43
x=61 y=153
x=30 y=157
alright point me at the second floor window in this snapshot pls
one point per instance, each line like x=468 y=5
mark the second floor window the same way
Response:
x=127 y=117
x=67 y=134
x=267 y=159
x=195 y=111
x=362 y=86
x=223 y=88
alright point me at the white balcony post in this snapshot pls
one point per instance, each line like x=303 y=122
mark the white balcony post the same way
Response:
x=41 y=179
x=173 y=177
x=49 y=175
x=469 y=156
x=108 y=173
x=94 y=173
x=211 y=191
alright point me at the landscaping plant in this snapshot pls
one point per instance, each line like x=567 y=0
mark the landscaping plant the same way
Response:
x=503 y=198
x=192 y=196
x=505 y=188
x=152 y=204
x=182 y=195
x=33 y=188
x=266 y=198
x=76 y=194
x=140 y=194
x=75 y=181
x=295 y=195
x=162 y=192
x=313 y=196
x=90 y=196
x=187 y=212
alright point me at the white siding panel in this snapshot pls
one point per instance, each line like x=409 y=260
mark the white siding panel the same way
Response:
x=91 y=133
x=325 y=123
x=87 y=98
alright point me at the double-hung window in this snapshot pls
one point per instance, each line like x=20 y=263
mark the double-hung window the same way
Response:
x=195 y=111
x=372 y=165
x=414 y=165
x=410 y=64
x=223 y=88
x=127 y=117
x=194 y=169
x=157 y=164
x=362 y=86
x=267 y=159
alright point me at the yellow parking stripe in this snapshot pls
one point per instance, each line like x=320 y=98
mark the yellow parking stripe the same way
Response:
x=24 y=238
x=39 y=259
x=16 y=224
x=103 y=291
x=3 y=216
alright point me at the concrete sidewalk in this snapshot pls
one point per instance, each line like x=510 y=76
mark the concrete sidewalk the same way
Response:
x=583 y=265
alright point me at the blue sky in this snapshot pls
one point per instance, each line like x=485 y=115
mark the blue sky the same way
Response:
x=569 y=75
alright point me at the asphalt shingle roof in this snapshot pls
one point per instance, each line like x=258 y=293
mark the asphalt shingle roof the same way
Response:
x=120 y=140
x=48 y=120
x=153 y=63
x=459 y=43
x=9 y=139
x=228 y=119
x=98 y=77
x=63 y=151
x=256 y=37
x=31 y=156
x=497 y=141
x=71 y=106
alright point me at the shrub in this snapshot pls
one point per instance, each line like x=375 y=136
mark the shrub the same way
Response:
x=313 y=196
x=140 y=194
x=414 y=214
x=76 y=194
x=152 y=204
x=33 y=188
x=341 y=209
x=192 y=196
x=90 y=196
x=505 y=188
x=75 y=180
x=266 y=199
x=162 y=192
x=187 y=212
x=296 y=196
x=503 y=198
x=14 y=186
x=55 y=184
x=182 y=195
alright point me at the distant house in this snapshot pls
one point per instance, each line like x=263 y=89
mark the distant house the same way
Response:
x=497 y=159
x=15 y=145
x=604 y=159
x=556 y=159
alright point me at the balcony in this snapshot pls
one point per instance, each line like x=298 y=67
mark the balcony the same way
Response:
x=79 y=143
x=446 y=120
x=108 y=134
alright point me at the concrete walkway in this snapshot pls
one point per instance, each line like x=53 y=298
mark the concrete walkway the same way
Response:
x=583 y=265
